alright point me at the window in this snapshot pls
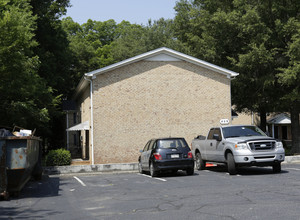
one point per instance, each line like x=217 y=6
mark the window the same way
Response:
x=171 y=143
x=146 y=146
x=210 y=134
x=218 y=132
x=150 y=147
x=242 y=131
x=154 y=145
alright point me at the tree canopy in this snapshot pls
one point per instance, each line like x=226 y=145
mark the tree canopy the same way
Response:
x=25 y=96
x=42 y=58
x=258 y=39
x=97 y=44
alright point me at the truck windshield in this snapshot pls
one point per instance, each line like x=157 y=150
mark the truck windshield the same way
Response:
x=241 y=131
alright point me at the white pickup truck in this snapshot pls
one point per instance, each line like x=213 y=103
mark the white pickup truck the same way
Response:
x=238 y=146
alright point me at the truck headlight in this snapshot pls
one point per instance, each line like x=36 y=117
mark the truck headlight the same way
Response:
x=278 y=144
x=242 y=146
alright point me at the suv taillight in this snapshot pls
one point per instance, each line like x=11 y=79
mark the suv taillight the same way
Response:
x=190 y=155
x=157 y=156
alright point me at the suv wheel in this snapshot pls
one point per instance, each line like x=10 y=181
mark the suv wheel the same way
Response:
x=140 y=167
x=153 y=173
x=190 y=171
x=231 y=164
x=200 y=163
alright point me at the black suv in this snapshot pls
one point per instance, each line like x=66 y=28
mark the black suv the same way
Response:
x=166 y=154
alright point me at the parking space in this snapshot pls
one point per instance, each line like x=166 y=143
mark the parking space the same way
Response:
x=255 y=193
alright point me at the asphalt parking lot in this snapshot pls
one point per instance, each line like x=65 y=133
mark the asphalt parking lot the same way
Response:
x=255 y=193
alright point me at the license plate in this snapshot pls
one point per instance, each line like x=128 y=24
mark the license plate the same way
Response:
x=174 y=155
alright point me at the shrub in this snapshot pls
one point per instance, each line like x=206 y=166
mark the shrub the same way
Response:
x=59 y=157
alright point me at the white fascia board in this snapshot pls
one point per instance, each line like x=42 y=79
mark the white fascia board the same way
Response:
x=169 y=52
x=124 y=62
x=151 y=54
x=204 y=64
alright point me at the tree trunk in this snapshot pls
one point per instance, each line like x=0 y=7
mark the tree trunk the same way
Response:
x=295 y=125
x=263 y=120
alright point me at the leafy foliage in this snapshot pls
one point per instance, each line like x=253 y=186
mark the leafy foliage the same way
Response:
x=55 y=60
x=53 y=46
x=247 y=36
x=43 y=58
x=97 y=44
x=59 y=157
x=258 y=39
x=25 y=96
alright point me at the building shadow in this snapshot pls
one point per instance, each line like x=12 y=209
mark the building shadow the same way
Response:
x=246 y=171
x=46 y=187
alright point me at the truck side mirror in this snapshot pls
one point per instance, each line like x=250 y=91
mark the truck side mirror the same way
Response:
x=217 y=137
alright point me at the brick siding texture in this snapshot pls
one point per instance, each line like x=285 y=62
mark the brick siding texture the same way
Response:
x=145 y=100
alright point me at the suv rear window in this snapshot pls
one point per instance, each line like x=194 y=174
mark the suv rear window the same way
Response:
x=171 y=143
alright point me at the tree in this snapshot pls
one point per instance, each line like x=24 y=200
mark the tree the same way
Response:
x=135 y=39
x=129 y=42
x=90 y=44
x=96 y=44
x=55 y=62
x=160 y=33
x=246 y=36
x=25 y=97
x=53 y=46
x=290 y=78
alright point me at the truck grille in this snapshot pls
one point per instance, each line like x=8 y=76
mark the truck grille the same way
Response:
x=262 y=146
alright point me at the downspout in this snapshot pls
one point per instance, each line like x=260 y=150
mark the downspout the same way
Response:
x=92 y=121
x=67 y=120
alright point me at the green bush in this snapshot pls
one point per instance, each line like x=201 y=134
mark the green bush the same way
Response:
x=59 y=157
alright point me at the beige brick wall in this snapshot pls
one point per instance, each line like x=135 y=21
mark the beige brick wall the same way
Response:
x=147 y=99
x=246 y=119
x=242 y=119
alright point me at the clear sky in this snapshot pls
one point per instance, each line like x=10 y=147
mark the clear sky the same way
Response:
x=134 y=11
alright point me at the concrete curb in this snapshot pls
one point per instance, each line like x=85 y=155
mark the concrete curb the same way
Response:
x=117 y=167
x=292 y=159
x=90 y=168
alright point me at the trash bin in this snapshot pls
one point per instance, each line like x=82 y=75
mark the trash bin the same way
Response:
x=20 y=158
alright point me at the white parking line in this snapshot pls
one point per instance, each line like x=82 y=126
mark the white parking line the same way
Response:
x=164 y=180
x=79 y=180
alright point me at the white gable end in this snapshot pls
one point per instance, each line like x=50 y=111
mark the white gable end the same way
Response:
x=280 y=119
x=162 y=57
x=160 y=54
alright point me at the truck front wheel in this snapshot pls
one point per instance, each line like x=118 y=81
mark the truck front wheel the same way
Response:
x=277 y=168
x=200 y=163
x=231 y=164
